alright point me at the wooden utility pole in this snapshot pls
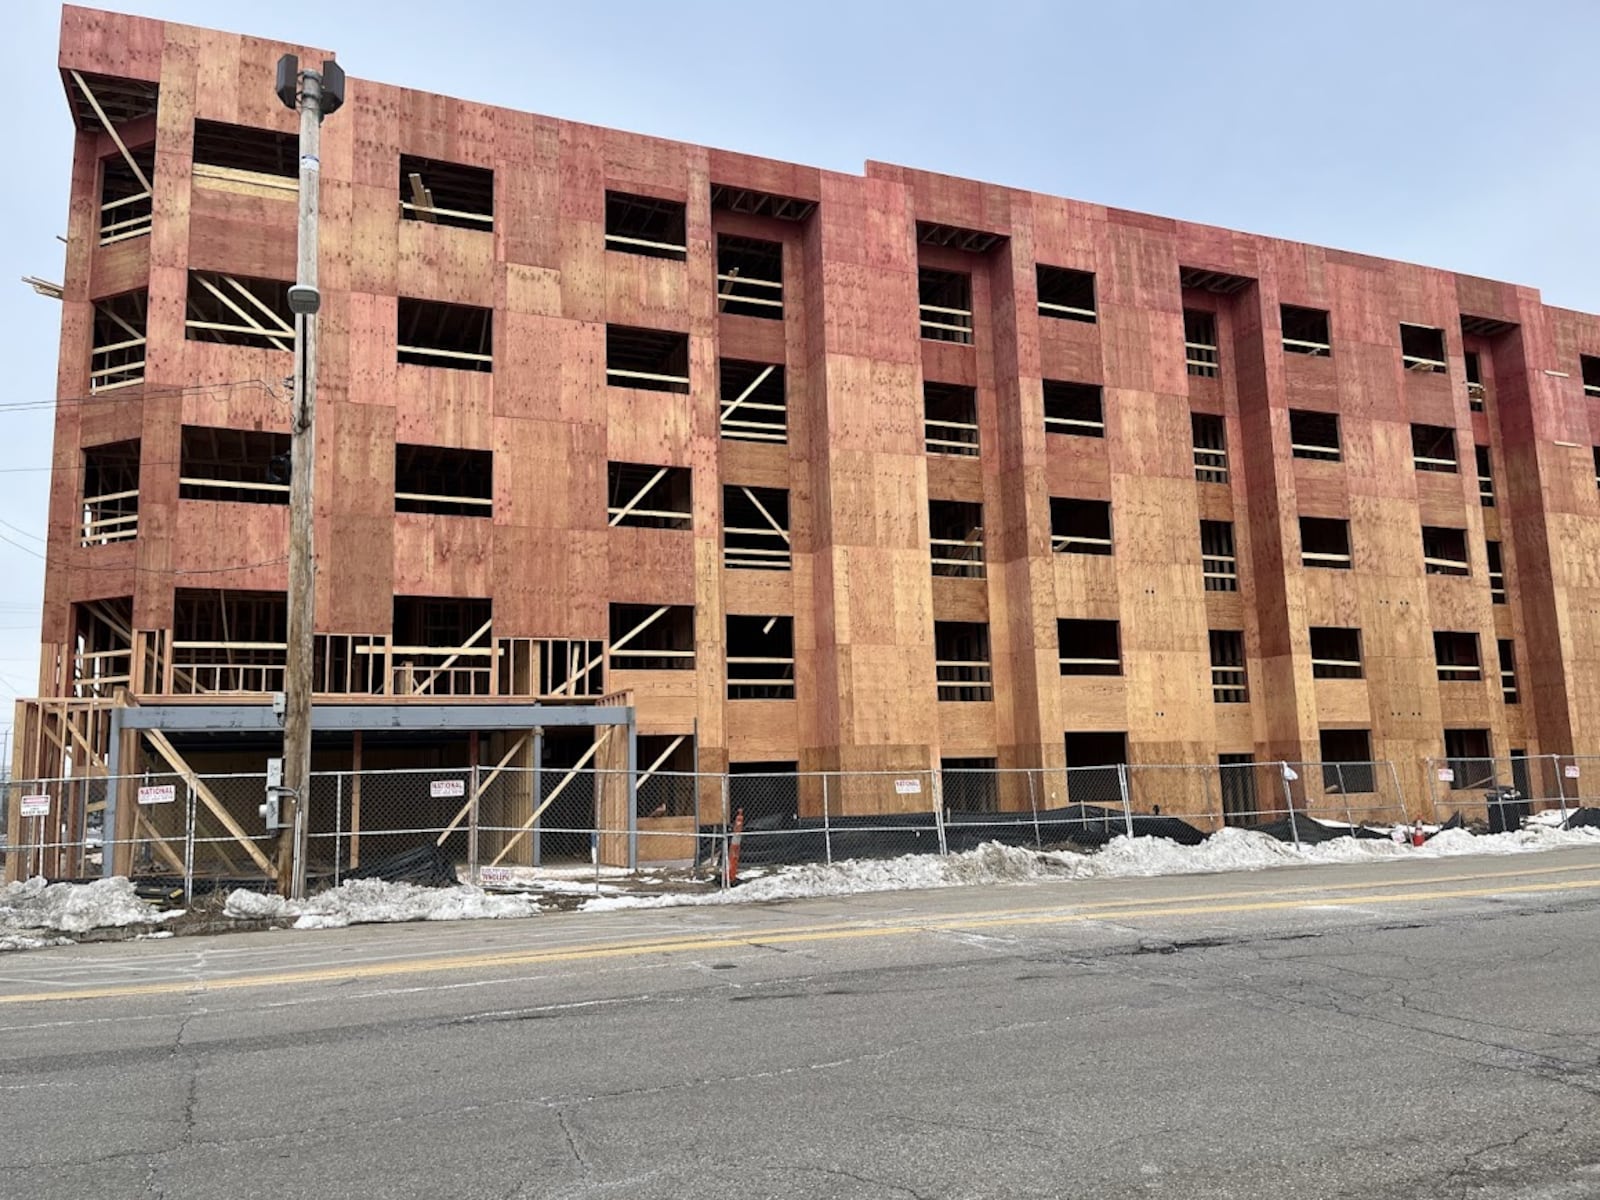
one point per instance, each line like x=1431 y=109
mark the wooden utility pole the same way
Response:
x=315 y=94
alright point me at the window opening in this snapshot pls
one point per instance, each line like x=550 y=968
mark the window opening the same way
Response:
x=1080 y=526
x=1475 y=392
x=458 y=337
x=1200 y=353
x=243 y=154
x=654 y=360
x=1066 y=294
x=1314 y=435
x=1485 y=477
x=752 y=401
x=239 y=311
x=1305 y=331
x=116 y=357
x=1457 y=656
x=760 y=658
x=950 y=418
x=228 y=641
x=1094 y=767
x=125 y=191
x=645 y=496
x=650 y=637
x=647 y=226
x=1228 y=683
x=666 y=783
x=110 y=493
x=1237 y=773
x=1433 y=448
x=1422 y=349
x=102 y=647
x=246 y=466
x=955 y=536
x=1347 y=765
x=1590 y=365
x=443 y=480
x=945 y=304
x=1074 y=408
x=969 y=785
x=1210 y=448
x=1218 y=561
x=1508 y=671
x=1497 y=573
x=755 y=528
x=444 y=646
x=1335 y=653
x=1444 y=551
x=1089 y=647
x=749 y=277
x=446 y=193
x=1325 y=542
x=126 y=206
x=1466 y=753
x=961 y=660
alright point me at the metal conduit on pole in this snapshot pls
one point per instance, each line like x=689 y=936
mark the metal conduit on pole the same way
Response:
x=315 y=94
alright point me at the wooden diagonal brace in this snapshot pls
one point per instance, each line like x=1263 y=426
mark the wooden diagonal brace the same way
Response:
x=483 y=786
x=556 y=791
x=207 y=797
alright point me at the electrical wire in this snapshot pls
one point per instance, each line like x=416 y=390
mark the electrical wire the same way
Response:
x=120 y=394
x=176 y=571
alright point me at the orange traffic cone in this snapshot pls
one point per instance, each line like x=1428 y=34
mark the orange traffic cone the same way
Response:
x=733 y=848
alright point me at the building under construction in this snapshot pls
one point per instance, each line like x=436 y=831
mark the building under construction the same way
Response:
x=800 y=470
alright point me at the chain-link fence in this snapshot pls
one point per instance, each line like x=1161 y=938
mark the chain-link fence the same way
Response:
x=1498 y=794
x=496 y=825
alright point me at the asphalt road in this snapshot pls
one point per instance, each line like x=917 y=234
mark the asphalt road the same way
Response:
x=1421 y=1029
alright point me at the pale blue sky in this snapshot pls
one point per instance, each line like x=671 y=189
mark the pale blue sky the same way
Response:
x=1459 y=134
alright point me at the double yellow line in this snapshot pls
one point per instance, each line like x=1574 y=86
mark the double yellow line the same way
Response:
x=1346 y=894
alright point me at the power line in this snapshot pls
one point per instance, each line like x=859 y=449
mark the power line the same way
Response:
x=120 y=395
x=23 y=532
x=184 y=571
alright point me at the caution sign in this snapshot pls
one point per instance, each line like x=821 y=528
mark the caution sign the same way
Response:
x=445 y=789
x=35 y=806
x=908 y=787
x=164 y=793
x=1446 y=775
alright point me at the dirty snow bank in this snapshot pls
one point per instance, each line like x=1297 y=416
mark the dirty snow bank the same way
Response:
x=70 y=908
x=377 y=901
x=1123 y=857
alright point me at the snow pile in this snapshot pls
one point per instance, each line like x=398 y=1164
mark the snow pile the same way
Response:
x=378 y=901
x=74 y=907
x=1123 y=857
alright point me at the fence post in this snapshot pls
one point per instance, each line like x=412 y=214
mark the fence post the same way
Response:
x=1288 y=803
x=827 y=832
x=727 y=831
x=338 y=825
x=1122 y=786
x=472 y=825
x=1561 y=786
x=1430 y=777
x=188 y=847
x=1033 y=804
x=936 y=786
x=1349 y=814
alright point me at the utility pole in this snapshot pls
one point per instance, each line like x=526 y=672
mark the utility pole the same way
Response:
x=316 y=94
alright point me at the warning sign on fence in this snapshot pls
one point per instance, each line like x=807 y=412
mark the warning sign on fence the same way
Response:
x=444 y=789
x=164 y=793
x=1570 y=770
x=1446 y=775
x=908 y=787
x=35 y=806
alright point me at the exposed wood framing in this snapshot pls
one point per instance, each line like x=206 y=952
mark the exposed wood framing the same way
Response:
x=163 y=747
x=556 y=791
